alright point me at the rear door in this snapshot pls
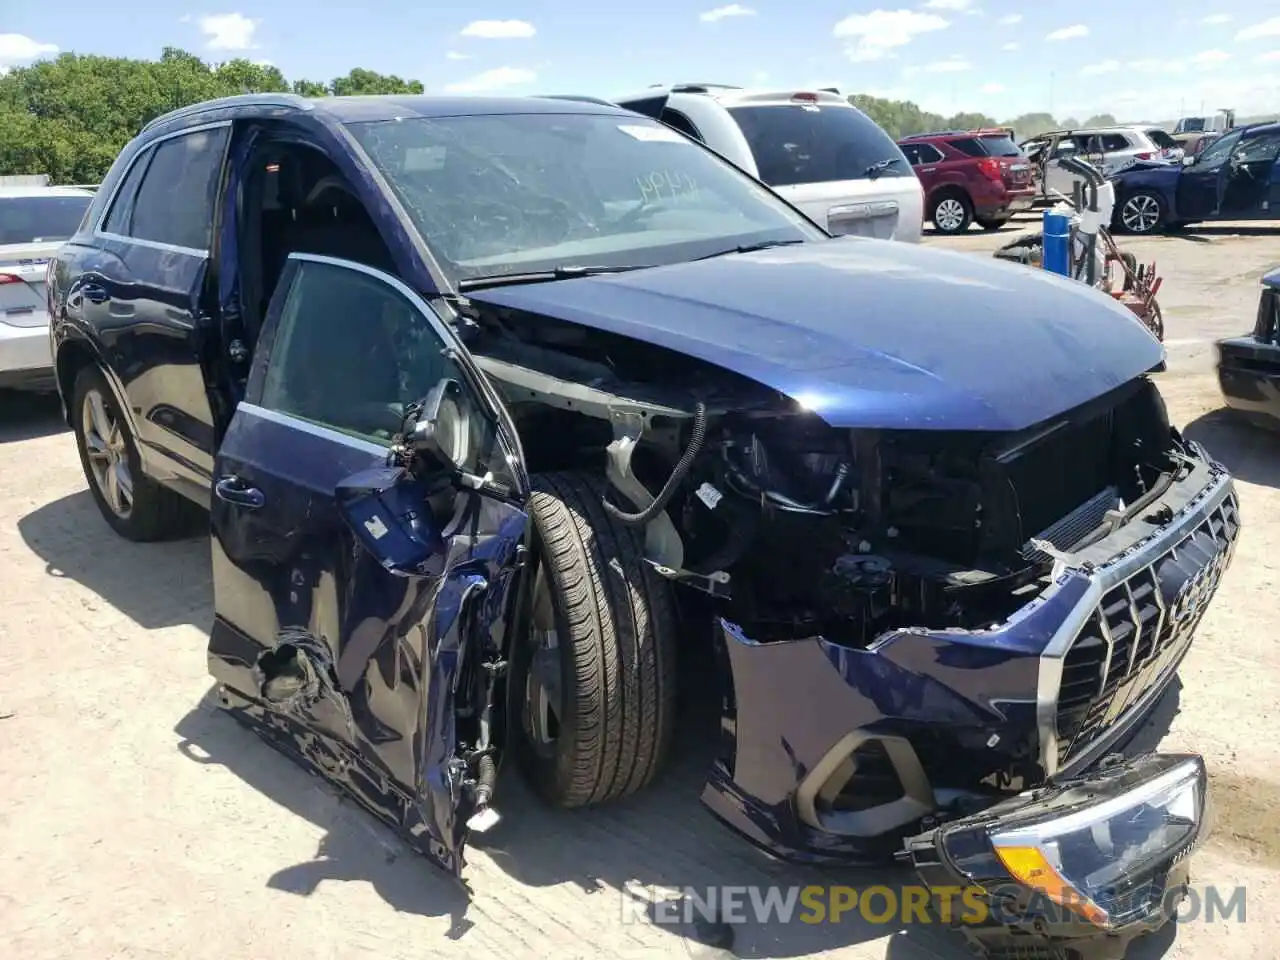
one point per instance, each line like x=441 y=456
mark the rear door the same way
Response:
x=144 y=290
x=834 y=163
x=372 y=670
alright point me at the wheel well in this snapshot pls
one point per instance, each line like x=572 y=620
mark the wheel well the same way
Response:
x=950 y=190
x=72 y=358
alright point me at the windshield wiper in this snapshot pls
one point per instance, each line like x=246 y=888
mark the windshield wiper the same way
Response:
x=880 y=166
x=751 y=248
x=565 y=272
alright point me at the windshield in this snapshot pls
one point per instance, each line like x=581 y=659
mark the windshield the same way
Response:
x=805 y=143
x=517 y=193
x=1162 y=139
x=1219 y=150
x=40 y=219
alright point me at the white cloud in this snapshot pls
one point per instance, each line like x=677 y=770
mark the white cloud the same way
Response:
x=1009 y=19
x=1210 y=58
x=228 y=31
x=264 y=63
x=1260 y=31
x=1011 y=46
x=875 y=35
x=499 y=29
x=1069 y=33
x=720 y=13
x=948 y=4
x=16 y=49
x=1271 y=56
x=953 y=65
x=1217 y=18
x=1097 y=69
x=499 y=78
x=993 y=88
x=455 y=55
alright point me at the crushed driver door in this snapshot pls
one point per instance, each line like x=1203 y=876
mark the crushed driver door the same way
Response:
x=363 y=586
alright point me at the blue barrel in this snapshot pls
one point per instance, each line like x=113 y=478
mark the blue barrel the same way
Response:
x=1057 y=242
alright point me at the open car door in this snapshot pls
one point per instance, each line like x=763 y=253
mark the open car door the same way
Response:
x=368 y=522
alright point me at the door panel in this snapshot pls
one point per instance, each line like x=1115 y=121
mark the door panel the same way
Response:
x=1201 y=185
x=372 y=674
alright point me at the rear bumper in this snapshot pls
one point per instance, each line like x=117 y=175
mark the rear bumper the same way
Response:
x=25 y=357
x=1249 y=376
x=1005 y=202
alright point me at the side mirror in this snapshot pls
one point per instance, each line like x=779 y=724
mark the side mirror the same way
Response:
x=387 y=510
x=438 y=434
x=1188 y=160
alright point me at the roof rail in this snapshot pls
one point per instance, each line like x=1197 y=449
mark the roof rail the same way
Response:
x=264 y=99
x=701 y=87
x=576 y=97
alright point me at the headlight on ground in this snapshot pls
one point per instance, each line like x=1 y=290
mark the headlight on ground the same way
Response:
x=1103 y=852
x=1089 y=860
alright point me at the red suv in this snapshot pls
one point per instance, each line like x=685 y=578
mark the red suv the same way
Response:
x=970 y=175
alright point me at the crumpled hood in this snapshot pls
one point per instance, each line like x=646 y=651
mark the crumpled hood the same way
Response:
x=871 y=333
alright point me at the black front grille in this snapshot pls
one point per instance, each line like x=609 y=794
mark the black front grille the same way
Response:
x=1140 y=629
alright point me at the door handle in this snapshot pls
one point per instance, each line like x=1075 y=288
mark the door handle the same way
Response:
x=234 y=490
x=94 y=293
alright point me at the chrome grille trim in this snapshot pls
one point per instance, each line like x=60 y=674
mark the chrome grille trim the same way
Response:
x=1204 y=507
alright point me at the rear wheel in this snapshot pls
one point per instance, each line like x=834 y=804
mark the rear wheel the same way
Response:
x=594 y=679
x=952 y=213
x=134 y=505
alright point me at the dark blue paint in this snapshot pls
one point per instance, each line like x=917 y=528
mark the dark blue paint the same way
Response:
x=873 y=334
x=394 y=643
x=1197 y=193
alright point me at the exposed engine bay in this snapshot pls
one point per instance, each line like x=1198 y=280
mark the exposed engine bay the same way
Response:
x=802 y=529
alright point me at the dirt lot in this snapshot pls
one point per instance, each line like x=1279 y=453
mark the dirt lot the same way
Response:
x=137 y=822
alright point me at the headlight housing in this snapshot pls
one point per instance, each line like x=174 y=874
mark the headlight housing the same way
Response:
x=1101 y=852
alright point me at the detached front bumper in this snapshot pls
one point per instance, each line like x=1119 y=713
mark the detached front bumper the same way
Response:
x=1086 y=864
x=838 y=754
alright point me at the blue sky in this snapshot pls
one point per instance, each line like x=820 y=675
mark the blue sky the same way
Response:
x=1137 y=60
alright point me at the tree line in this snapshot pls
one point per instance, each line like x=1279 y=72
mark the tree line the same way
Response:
x=69 y=117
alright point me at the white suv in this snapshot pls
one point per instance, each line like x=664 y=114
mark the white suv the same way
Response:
x=813 y=148
x=1110 y=149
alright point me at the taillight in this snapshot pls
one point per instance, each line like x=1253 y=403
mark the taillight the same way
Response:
x=10 y=278
x=804 y=98
x=1144 y=156
x=991 y=168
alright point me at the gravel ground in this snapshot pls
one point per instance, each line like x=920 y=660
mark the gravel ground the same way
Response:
x=137 y=822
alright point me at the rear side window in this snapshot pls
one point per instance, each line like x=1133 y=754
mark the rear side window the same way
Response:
x=1162 y=139
x=122 y=204
x=678 y=121
x=1113 y=142
x=1000 y=147
x=969 y=146
x=40 y=219
x=795 y=144
x=175 y=202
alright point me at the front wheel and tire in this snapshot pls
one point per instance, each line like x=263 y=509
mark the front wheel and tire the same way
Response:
x=134 y=505
x=952 y=213
x=594 y=678
x=1140 y=212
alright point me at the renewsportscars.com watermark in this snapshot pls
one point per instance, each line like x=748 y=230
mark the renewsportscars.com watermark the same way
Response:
x=815 y=904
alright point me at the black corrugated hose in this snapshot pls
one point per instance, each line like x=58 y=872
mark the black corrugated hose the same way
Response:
x=681 y=468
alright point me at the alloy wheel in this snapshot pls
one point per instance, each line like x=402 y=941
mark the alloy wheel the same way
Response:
x=108 y=453
x=543 y=704
x=949 y=215
x=1140 y=214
